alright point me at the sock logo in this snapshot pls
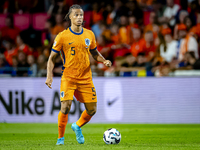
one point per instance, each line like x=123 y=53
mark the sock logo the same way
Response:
x=62 y=94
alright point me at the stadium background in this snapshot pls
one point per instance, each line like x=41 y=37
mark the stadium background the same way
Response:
x=154 y=48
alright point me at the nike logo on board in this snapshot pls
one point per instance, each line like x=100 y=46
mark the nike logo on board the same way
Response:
x=112 y=102
x=71 y=43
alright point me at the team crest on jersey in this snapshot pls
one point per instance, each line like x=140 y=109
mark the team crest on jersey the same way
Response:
x=87 y=41
x=62 y=94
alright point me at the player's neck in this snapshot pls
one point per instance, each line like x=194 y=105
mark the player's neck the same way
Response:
x=76 y=29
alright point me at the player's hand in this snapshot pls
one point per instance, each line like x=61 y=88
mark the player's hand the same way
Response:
x=49 y=82
x=107 y=63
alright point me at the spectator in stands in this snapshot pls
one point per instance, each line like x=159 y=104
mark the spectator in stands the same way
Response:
x=170 y=13
x=21 y=46
x=192 y=61
x=23 y=66
x=149 y=47
x=182 y=15
x=57 y=71
x=138 y=43
x=158 y=8
x=132 y=25
x=32 y=66
x=163 y=70
x=195 y=30
x=9 y=6
x=59 y=25
x=168 y=49
x=57 y=6
x=123 y=29
x=3 y=64
x=2 y=61
x=108 y=15
x=15 y=62
x=48 y=32
x=134 y=64
x=193 y=9
x=188 y=22
x=135 y=10
x=96 y=13
x=24 y=6
x=115 y=38
x=14 y=66
x=42 y=65
x=9 y=31
x=46 y=52
x=130 y=61
x=100 y=28
x=188 y=43
x=152 y=20
x=145 y=4
x=103 y=46
x=10 y=50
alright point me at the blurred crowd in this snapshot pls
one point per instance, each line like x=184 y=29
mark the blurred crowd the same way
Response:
x=155 y=36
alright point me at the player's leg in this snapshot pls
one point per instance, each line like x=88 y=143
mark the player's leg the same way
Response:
x=62 y=120
x=87 y=114
x=66 y=97
x=85 y=118
x=87 y=95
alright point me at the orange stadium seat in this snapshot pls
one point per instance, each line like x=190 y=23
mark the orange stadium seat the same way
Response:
x=2 y=20
x=39 y=20
x=22 y=21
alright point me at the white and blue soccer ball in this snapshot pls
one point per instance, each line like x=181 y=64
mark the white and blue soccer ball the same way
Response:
x=112 y=136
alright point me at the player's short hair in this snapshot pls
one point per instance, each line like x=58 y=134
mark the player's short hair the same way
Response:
x=75 y=6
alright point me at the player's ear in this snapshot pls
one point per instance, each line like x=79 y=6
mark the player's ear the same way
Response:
x=70 y=16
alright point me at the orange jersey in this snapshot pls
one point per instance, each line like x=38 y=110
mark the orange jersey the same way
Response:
x=75 y=49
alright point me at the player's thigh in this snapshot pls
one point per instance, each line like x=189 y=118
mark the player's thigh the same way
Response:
x=86 y=93
x=67 y=89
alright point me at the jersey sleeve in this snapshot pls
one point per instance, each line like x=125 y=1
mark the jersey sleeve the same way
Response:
x=93 y=45
x=57 y=45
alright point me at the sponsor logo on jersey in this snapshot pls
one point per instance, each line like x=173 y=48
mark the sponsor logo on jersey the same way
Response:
x=87 y=41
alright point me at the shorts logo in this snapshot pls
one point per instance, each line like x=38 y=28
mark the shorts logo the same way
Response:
x=87 y=41
x=54 y=44
x=62 y=94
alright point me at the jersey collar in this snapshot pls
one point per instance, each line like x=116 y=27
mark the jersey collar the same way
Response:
x=75 y=32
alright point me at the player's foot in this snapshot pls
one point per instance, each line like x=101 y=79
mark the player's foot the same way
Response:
x=60 y=141
x=78 y=131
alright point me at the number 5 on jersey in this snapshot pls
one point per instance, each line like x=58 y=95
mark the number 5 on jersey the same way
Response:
x=72 y=50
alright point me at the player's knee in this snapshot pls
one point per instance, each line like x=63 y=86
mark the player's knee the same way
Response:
x=91 y=112
x=65 y=110
x=65 y=106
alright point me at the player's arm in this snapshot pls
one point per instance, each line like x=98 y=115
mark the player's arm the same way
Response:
x=98 y=57
x=50 y=66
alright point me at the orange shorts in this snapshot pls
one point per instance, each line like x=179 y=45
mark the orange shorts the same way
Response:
x=85 y=93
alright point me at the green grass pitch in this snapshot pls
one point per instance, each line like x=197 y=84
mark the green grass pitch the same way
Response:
x=134 y=136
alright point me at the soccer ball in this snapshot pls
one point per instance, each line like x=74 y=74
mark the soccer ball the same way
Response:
x=112 y=136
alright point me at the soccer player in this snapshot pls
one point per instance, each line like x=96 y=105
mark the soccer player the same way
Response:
x=75 y=45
